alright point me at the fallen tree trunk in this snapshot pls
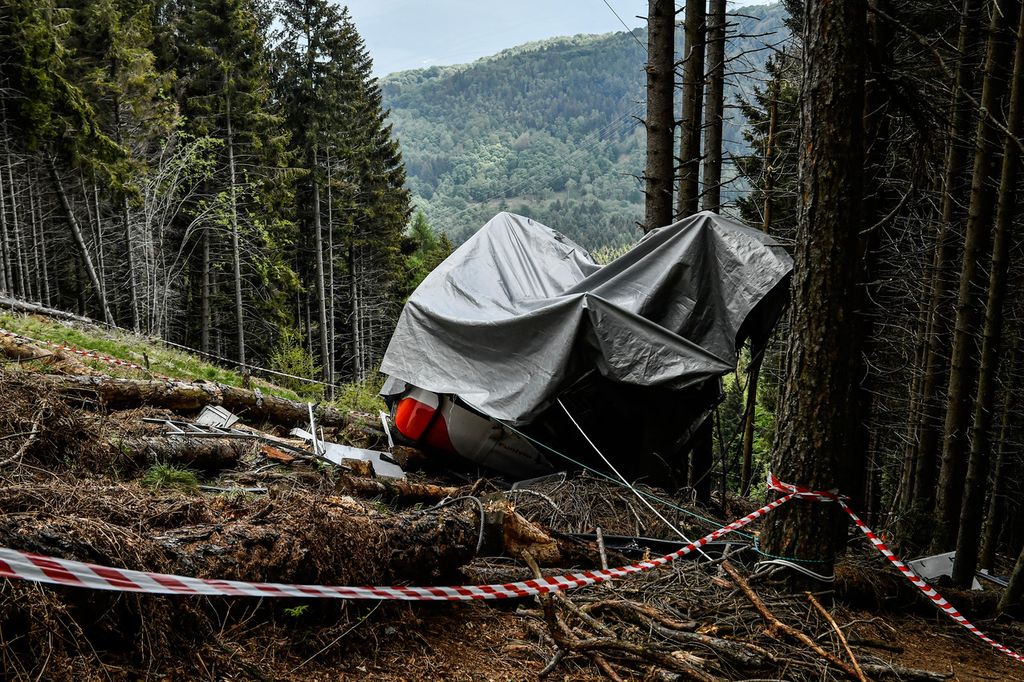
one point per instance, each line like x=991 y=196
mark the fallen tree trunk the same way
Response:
x=405 y=491
x=23 y=351
x=205 y=454
x=253 y=406
x=36 y=309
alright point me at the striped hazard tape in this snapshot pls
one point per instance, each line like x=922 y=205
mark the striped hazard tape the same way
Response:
x=110 y=360
x=794 y=491
x=43 y=569
x=54 y=571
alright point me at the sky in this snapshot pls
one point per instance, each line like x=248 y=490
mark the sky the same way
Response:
x=413 y=34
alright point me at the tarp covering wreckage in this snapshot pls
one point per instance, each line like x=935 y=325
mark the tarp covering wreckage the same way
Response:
x=519 y=319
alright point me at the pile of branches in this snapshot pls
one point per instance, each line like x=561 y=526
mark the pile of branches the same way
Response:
x=706 y=622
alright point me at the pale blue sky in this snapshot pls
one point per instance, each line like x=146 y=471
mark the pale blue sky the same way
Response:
x=411 y=34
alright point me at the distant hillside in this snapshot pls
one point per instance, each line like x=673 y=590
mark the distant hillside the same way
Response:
x=549 y=129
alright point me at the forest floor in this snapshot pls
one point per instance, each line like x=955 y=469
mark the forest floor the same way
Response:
x=72 y=485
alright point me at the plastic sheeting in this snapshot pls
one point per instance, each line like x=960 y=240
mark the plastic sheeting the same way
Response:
x=519 y=313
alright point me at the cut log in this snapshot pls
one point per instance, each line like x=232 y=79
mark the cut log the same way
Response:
x=36 y=309
x=204 y=454
x=183 y=396
x=23 y=351
x=405 y=491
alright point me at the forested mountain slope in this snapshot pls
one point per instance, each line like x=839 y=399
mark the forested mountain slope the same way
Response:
x=550 y=129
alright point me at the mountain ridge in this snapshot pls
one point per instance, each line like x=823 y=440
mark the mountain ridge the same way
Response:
x=549 y=129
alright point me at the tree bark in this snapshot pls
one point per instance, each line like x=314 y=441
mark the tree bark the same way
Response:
x=972 y=513
x=204 y=295
x=994 y=521
x=5 y=243
x=815 y=434
x=659 y=122
x=925 y=433
x=964 y=364
x=203 y=454
x=1015 y=591
x=236 y=256
x=714 y=108
x=253 y=406
x=325 y=356
x=76 y=232
x=754 y=370
x=695 y=21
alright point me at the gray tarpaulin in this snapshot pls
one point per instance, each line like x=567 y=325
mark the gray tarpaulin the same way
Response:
x=519 y=312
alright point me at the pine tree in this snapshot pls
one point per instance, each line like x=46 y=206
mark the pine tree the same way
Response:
x=227 y=96
x=333 y=108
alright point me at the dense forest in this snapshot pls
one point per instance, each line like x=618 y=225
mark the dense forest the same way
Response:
x=220 y=173
x=888 y=154
x=553 y=130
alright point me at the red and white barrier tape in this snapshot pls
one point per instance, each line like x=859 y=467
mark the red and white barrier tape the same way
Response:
x=54 y=571
x=793 y=491
x=43 y=569
x=77 y=351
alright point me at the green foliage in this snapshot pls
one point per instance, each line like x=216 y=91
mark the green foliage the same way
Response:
x=168 y=477
x=549 y=130
x=291 y=357
x=425 y=249
x=53 y=112
x=606 y=254
x=773 y=180
x=361 y=396
x=296 y=611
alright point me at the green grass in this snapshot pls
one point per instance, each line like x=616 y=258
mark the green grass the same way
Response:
x=165 y=476
x=132 y=347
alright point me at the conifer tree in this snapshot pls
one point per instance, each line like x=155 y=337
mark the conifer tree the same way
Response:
x=334 y=111
x=227 y=95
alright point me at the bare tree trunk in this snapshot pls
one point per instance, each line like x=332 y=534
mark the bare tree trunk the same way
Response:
x=972 y=513
x=236 y=256
x=936 y=362
x=754 y=370
x=5 y=243
x=1012 y=595
x=325 y=356
x=695 y=21
x=659 y=121
x=45 y=257
x=996 y=504
x=6 y=276
x=964 y=365
x=100 y=265
x=357 y=351
x=714 y=108
x=16 y=230
x=76 y=232
x=133 y=293
x=815 y=433
x=330 y=276
x=204 y=295
x=36 y=241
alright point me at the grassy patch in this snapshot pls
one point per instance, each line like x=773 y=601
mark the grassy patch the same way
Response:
x=133 y=348
x=165 y=476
